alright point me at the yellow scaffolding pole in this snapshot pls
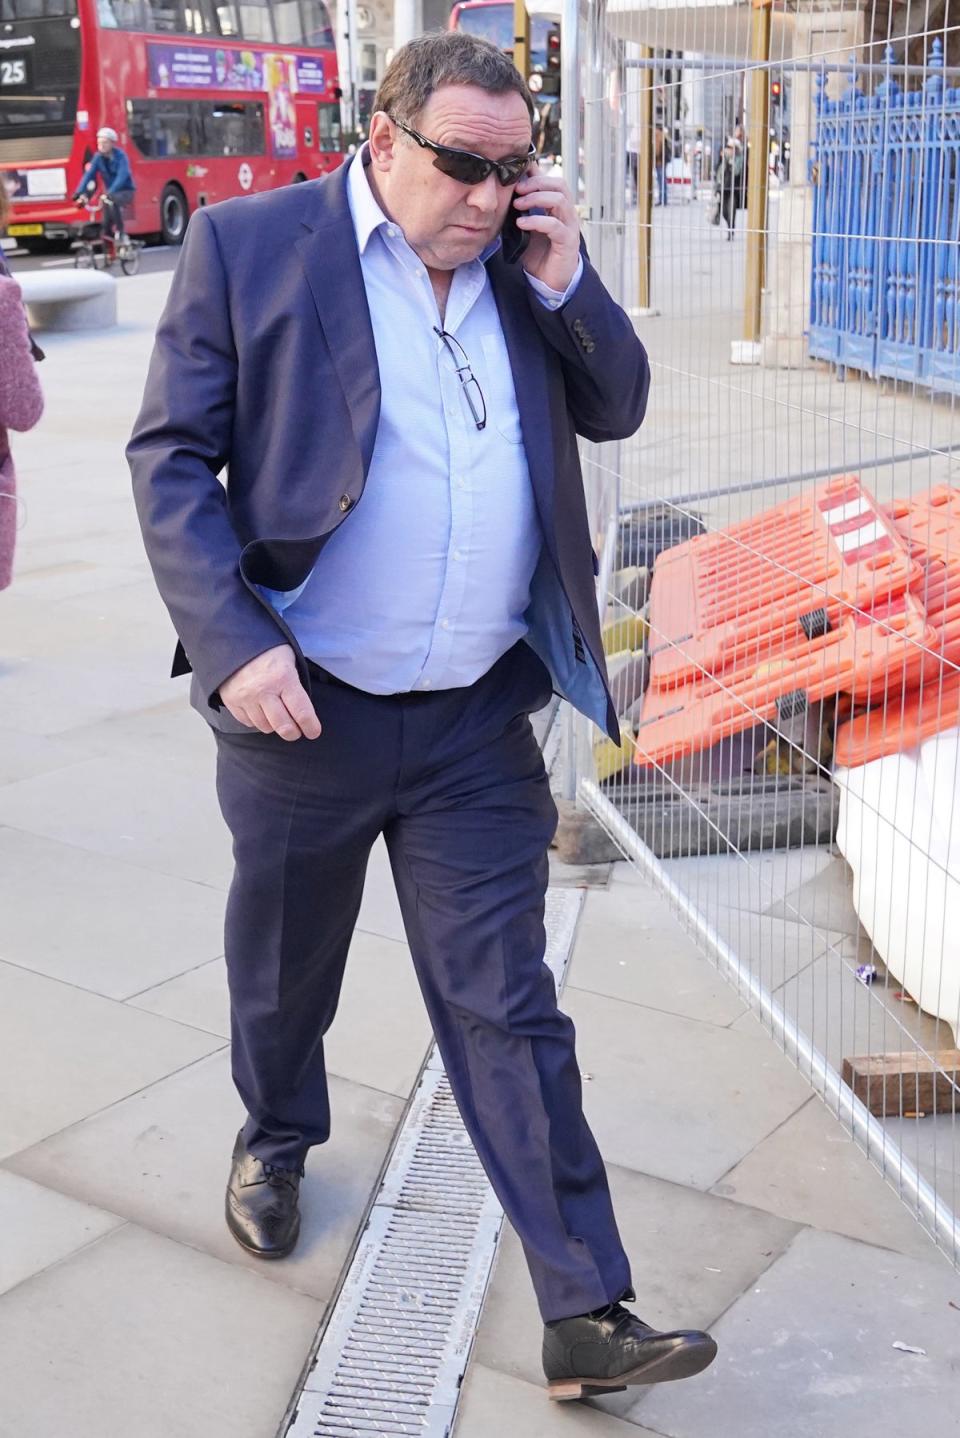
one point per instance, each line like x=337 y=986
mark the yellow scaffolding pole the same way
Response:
x=521 y=38
x=759 y=137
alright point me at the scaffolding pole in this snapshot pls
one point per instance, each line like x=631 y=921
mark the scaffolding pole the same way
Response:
x=758 y=135
x=521 y=38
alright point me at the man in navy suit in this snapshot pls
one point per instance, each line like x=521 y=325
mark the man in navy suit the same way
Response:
x=398 y=572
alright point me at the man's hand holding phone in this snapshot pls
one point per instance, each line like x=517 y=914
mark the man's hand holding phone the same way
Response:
x=553 y=251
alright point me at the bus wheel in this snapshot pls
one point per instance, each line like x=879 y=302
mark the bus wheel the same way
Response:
x=173 y=215
x=299 y=178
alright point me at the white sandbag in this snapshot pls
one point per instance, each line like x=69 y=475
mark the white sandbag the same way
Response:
x=899 y=830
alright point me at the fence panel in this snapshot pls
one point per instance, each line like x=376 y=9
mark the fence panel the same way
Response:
x=781 y=540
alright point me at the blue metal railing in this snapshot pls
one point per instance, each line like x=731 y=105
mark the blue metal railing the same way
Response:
x=885 y=293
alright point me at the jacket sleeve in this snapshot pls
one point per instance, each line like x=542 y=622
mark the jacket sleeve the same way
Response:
x=605 y=366
x=180 y=443
x=90 y=173
x=21 y=399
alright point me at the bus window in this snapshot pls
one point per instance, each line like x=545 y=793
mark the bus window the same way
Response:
x=255 y=21
x=317 y=30
x=286 y=20
x=197 y=20
x=140 y=125
x=328 y=128
x=124 y=15
x=174 y=128
x=164 y=16
x=227 y=18
x=232 y=129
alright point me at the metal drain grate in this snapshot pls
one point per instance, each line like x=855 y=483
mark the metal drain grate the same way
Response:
x=391 y=1358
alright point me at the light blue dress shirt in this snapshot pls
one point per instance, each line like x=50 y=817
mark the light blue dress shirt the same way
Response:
x=425 y=585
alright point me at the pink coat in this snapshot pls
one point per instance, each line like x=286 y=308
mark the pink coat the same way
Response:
x=21 y=405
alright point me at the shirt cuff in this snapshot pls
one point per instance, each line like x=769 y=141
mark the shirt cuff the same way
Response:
x=553 y=299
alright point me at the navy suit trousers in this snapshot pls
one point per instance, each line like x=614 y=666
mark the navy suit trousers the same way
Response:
x=455 y=782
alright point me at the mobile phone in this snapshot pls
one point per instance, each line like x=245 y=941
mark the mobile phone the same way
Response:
x=514 y=239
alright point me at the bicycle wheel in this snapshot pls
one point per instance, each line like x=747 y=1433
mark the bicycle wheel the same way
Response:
x=83 y=257
x=101 y=260
x=129 y=257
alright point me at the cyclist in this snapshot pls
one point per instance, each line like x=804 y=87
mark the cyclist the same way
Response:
x=112 y=166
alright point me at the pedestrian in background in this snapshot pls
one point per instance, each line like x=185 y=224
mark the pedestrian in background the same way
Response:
x=21 y=400
x=393 y=364
x=729 y=183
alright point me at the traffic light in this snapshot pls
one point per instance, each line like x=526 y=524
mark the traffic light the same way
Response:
x=776 y=91
x=553 y=48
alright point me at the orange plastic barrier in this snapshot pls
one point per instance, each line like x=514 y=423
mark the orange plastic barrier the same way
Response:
x=861 y=655
x=901 y=723
x=931 y=703
x=733 y=599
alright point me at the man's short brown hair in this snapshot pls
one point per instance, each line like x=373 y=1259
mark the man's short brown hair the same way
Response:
x=423 y=65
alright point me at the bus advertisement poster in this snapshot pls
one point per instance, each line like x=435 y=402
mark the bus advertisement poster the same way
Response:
x=177 y=67
x=281 y=75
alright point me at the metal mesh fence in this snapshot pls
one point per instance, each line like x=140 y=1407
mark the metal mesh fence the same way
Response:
x=773 y=193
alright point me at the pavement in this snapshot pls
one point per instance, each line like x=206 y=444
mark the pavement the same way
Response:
x=125 y=1307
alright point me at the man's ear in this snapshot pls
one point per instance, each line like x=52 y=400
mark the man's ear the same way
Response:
x=383 y=140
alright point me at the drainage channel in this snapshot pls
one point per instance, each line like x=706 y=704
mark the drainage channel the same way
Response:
x=391 y=1357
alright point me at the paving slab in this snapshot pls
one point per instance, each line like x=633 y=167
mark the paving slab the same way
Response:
x=67 y=1054
x=808 y=1351
x=41 y=1227
x=24 y=755
x=674 y=1097
x=494 y=1403
x=646 y=958
x=161 y=1160
x=379 y=1037
x=771 y=950
x=752 y=883
x=142 y=1337
x=691 y=1256
x=812 y=1172
x=844 y=1017
x=825 y=898
x=114 y=929
x=154 y=814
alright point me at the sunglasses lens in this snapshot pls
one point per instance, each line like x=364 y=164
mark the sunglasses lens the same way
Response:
x=468 y=169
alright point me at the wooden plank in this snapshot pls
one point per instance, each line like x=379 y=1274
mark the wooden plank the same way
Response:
x=905 y=1084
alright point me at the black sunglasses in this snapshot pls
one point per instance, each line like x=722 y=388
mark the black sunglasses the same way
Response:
x=465 y=166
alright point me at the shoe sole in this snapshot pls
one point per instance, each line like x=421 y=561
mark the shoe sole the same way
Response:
x=267 y=1253
x=684 y=1361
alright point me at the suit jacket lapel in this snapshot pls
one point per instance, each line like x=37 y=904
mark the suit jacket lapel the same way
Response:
x=525 y=348
x=331 y=260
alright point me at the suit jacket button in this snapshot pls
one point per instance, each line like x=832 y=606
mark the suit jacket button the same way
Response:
x=345 y=502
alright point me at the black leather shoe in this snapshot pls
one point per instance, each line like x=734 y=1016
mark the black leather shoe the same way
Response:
x=262 y=1204
x=604 y=1352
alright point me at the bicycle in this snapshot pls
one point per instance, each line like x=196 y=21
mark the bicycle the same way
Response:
x=98 y=250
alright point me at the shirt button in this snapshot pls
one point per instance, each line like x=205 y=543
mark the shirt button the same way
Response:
x=425 y=684
x=457 y=554
x=345 y=502
x=444 y=623
x=461 y=483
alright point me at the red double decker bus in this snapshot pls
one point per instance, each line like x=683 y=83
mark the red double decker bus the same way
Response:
x=210 y=98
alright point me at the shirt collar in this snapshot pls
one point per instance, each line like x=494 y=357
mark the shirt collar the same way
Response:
x=366 y=212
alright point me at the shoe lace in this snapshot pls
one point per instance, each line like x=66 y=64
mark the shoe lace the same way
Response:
x=280 y=1177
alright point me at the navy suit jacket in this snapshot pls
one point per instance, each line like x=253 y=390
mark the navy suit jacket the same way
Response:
x=265 y=366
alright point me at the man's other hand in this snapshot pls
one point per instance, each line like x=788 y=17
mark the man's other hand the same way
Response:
x=266 y=694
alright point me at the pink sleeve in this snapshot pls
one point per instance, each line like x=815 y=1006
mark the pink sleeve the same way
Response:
x=21 y=399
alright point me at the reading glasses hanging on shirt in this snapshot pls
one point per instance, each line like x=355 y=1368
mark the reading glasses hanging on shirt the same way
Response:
x=471 y=389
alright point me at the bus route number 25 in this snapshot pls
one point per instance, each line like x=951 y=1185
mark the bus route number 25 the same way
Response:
x=13 y=72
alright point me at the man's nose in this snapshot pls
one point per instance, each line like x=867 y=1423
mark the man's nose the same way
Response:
x=484 y=196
